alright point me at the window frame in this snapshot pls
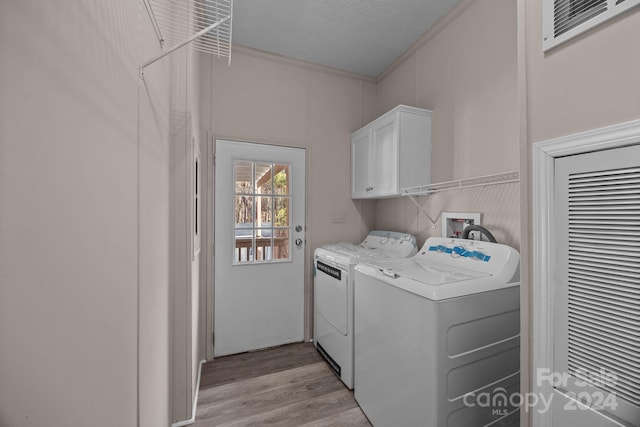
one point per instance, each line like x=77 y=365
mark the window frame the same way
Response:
x=273 y=228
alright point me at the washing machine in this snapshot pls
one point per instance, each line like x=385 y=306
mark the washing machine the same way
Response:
x=333 y=293
x=437 y=336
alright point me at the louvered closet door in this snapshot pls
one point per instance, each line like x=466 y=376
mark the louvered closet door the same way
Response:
x=597 y=293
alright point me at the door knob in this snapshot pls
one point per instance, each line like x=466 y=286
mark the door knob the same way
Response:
x=298 y=242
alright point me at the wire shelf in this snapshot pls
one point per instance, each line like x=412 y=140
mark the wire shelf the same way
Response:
x=482 y=181
x=500 y=178
x=206 y=25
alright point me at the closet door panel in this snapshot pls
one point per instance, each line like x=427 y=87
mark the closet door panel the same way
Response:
x=597 y=287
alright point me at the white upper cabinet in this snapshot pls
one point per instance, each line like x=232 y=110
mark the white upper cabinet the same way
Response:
x=391 y=153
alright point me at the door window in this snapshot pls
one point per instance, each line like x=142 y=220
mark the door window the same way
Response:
x=262 y=201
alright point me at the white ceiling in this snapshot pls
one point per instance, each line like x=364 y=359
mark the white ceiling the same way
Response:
x=358 y=36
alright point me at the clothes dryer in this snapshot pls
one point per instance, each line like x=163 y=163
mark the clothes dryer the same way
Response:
x=437 y=336
x=333 y=293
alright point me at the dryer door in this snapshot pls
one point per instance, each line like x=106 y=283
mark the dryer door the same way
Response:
x=331 y=294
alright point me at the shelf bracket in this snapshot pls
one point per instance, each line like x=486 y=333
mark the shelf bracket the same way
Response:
x=419 y=206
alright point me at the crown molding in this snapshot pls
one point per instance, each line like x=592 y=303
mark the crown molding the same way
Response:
x=268 y=56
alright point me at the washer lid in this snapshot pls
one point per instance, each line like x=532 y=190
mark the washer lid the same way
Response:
x=348 y=253
x=448 y=268
x=441 y=286
x=391 y=243
x=377 y=245
x=428 y=273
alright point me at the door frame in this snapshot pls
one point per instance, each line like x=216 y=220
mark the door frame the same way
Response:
x=543 y=268
x=209 y=316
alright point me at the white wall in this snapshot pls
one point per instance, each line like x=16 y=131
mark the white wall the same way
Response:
x=465 y=70
x=584 y=84
x=84 y=216
x=183 y=269
x=154 y=299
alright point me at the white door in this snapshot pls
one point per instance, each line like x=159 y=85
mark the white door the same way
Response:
x=597 y=294
x=259 y=246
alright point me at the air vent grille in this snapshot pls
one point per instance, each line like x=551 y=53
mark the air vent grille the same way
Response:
x=604 y=278
x=569 y=14
x=565 y=19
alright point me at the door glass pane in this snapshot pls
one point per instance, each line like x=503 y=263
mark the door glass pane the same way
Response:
x=263 y=178
x=281 y=244
x=244 y=249
x=243 y=174
x=264 y=211
x=262 y=221
x=281 y=211
x=244 y=212
x=264 y=245
x=281 y=179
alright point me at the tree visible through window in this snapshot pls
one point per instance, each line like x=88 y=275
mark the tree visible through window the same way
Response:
x=261 y=210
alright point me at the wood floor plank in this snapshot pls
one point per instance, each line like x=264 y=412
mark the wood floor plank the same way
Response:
x=228 y=369
x=265 y=382
x=286 y=386
x=276 y=395
x=299 y=413
x=352 y=418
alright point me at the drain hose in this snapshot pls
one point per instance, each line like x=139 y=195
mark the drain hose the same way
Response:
x=481 y=229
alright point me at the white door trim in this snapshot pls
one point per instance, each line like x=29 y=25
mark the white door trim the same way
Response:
x=544 y=155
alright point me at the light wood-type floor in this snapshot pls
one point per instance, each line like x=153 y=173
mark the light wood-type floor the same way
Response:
x=283 y=386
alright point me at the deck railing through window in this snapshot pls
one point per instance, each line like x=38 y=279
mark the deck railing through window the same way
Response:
x=265 y=249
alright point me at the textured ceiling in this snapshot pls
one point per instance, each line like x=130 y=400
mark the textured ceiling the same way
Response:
x=358 y=36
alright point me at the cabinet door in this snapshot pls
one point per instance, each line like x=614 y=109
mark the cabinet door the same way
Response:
x=360 y=159
x=384 y=157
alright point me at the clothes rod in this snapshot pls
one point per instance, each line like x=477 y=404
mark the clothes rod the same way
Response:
x=179 y=45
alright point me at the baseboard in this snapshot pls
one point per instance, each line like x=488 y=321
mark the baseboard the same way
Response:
x=195 y=402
